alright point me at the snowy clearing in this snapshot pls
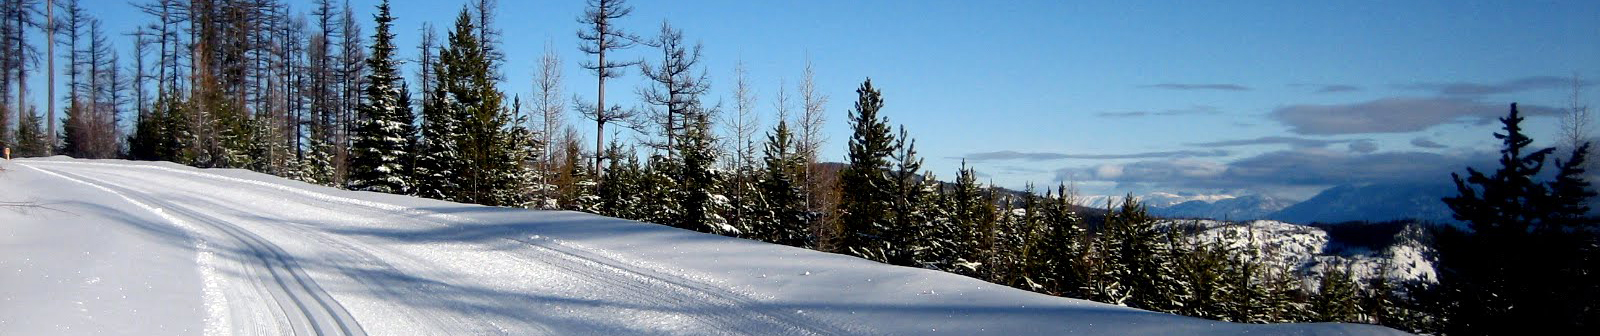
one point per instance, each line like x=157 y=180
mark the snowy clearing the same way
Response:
x=138 y=248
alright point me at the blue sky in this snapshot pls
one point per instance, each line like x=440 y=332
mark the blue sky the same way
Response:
x=1239 y=97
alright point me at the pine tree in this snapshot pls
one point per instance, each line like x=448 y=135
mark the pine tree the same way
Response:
x=867 y=197
x=381 y=152
x=1006 y=242
x=517 y=151
x=173 y=135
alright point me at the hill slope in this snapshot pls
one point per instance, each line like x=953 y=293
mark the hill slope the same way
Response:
x=155 y=248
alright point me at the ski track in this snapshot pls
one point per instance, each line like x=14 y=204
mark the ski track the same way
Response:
x=314 y=311
x=717 y=309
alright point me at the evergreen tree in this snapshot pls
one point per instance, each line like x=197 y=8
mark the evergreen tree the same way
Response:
x=783 y=207
x=971 y=215
x=700 y=179
x=519 y=150
x=907 y=211
x=1137 y=272
x=935 y=242
x=1202 y=270
x=658 y=192
x=619 y=194
x=317 y=166
x=381 y=152
x=164 y=135
x=1060 y=257
x=73 y=129
x=867 y=197
x=448 y=166
x=1536 y=273
x=30 y=137
x=578 y=193
x=1336 y=296
x=439 y=162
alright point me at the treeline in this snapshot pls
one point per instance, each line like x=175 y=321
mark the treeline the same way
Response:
x=253 y=84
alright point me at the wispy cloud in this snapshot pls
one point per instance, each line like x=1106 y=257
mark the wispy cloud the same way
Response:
x=1393 y=115
x=1195 y=110
x=1337 y=88
x=1363 y=146
x=1479 y=89
x=1425 y=143
x=1328 y=88
x=1295 y=142
x=1043 y=156
x=1190 y=86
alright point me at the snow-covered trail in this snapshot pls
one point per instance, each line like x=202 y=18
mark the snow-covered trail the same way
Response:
x=273 y=257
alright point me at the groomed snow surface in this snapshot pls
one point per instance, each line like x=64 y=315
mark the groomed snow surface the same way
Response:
x=137 y=248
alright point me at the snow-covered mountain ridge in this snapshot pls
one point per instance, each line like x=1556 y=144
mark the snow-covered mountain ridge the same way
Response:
x=1309 y=249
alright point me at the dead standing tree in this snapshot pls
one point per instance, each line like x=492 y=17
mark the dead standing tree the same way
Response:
x=600 y=36
x=678 y=87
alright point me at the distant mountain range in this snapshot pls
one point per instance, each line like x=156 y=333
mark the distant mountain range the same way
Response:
x=1373 y=202
x=1367 y=202
x=1249 y=207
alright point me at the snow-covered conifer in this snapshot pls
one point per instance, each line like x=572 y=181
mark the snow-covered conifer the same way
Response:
x=382 y=148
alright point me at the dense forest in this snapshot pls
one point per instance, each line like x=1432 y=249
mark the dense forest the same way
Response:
x=307 y=94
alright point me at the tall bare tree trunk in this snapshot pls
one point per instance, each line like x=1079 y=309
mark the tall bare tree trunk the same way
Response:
x=50 y=82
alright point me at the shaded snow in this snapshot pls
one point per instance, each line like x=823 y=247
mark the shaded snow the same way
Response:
x=291 y=257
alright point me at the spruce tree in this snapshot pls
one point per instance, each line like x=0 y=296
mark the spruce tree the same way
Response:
x=1202 y=270
x=702 y=207
x=907 y=211
x=1132 y=250
x=73 y=129
x=1335 y=300
x=619 y=194
x=578 y=193
x=30 y=137
x=1536 y=273
x=448 y=167
x=381 y=152
x=971 y=215
x=518 y=151
x=317 y=167
x=783 y=207
x=867 y=197
x=439 y=162
x=658 y=192
x=1060 y=255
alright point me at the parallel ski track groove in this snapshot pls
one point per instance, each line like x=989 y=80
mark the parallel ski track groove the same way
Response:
x=273 y=259
x=574 y=258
